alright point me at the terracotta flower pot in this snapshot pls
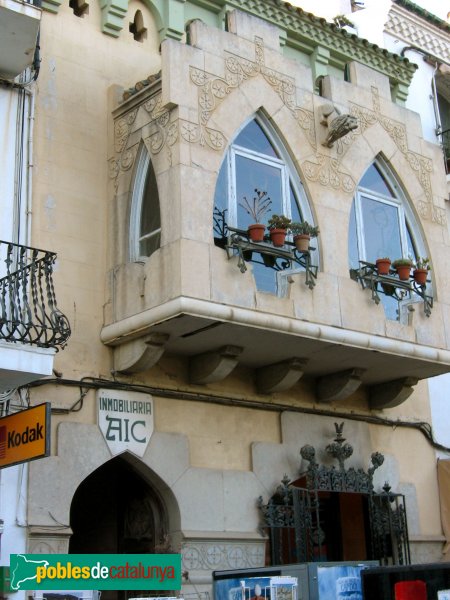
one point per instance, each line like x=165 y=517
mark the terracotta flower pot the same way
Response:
x=278 y=237
x=403 y=272
x=301 y=242
x=383 y=266
x=420 y=276
x=256 y=232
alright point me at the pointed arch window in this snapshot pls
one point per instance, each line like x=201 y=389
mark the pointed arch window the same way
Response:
x=257 y=160
x=145 y=221
x=382 y=224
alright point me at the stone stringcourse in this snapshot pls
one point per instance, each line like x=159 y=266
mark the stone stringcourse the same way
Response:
x=324 y=41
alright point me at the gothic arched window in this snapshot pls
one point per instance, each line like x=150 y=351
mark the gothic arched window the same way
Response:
x=382 y=224
x=257 y=160
x=145 y=219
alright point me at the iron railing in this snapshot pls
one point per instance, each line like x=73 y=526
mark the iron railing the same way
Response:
x=305 y=524
x=390 y=285
x=445 y=143
x=28 y=309
x=236 y=242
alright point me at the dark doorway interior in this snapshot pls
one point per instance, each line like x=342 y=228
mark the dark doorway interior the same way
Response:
x=115 y=511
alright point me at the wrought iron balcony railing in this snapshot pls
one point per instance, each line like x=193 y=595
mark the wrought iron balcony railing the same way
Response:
x=237 y=242
x=279 y=259
x=391 y=285
x=28 y=309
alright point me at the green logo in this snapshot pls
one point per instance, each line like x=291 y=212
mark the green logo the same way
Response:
x=95 y=572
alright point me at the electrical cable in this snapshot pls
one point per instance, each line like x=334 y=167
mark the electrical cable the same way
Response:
x=88 y=383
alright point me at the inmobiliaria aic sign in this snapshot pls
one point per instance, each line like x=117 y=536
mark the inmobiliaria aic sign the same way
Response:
x=25 y=435
x=125 y=420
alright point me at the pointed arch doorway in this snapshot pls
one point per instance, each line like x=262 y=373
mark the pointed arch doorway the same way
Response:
x=116 y=510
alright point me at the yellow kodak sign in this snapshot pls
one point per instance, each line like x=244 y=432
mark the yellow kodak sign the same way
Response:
x=25 y=435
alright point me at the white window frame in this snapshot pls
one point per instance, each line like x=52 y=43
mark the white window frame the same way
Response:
x=137 y=197
x=407 y=221
x=273 y=162
x=360 y=227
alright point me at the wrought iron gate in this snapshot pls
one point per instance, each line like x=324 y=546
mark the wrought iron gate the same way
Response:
x=293 y=517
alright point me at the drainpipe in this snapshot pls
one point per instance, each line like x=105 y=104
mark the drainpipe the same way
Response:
x=30 y=165
x=432 y=60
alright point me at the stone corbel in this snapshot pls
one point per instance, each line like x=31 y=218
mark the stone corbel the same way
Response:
x=113 y=16
x=279 y=377
x=140 y=354
x=337 y=124
x=213 y=366
x=338 y=386
x=391 y=393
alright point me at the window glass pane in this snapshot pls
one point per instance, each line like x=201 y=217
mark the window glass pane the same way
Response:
x=148 y=245
x=150 y=217
x=251 y=175
x=374 y=180
x=353 y=252
x=381 y=229
x=254 y=138
x=411 y=247
x=296 y=215
x=221 y=195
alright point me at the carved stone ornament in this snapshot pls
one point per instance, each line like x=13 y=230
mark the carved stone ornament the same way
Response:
x=320 y=477
x=213 y=89
x=338 y=125
x=219 y=555
x=420 y=165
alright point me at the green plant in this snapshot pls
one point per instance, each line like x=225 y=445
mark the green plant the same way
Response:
x=258 y=206
x=422 y=263
x=342 y=21
x=303 y=228
x=279 y=222
x=402 y=262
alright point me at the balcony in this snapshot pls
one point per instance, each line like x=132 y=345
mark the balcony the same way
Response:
x=19 y=26
x=445 y=142
x=31 y=325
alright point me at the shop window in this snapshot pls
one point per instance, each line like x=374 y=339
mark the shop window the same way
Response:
x=145 y=221
x=257 y=160
x=382 y=224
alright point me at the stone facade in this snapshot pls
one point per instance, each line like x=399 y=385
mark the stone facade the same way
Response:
x=217 y=447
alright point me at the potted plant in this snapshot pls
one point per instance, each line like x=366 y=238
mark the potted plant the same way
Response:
x=383 y=265
x=420 y=272
x=303 y=232
x=278 y=226
x=256 y=208
x=403 y=268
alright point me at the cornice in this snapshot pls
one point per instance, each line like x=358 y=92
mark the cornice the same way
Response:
x=424 y=14
x=310 y=31
x=416 y=31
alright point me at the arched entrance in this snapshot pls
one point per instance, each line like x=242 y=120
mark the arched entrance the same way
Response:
x=115 y=510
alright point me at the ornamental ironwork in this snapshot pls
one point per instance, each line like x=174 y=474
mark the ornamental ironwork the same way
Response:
x=320 y=477
x=28 y=310
x=236 y=242
x=390 y=285
x=297 y=519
